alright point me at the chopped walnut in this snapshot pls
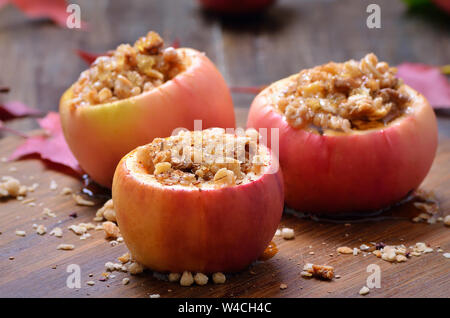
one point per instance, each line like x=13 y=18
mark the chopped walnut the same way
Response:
x=321 y=271
x=57 y=232
x=135 y=268
x=201 y=279
x=21 y=233
x=53 y=185
x=111 y=230
x=65 y=247
x=11 y=187
x=41 y=230
x=364 y=291
x=287 y=233
x=344 y=250
x=81 y=228
x=174 y=277
x=48 y=212
x=125 y=258
x=106 y=212
x=66 y=191
x=219 y=278
x=342 y=96
x=447 y=220
x=210 y=158
x=128 y=71
x=79 y=200
x=186 y=279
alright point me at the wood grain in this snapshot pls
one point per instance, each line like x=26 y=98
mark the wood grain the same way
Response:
x=31 y=273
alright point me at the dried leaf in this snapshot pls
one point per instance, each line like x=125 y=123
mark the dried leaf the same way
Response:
x=55 y=10
x=428 y=80
x=52 y=146
x=15 y=109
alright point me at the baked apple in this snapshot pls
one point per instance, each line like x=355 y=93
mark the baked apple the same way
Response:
x=136 y=94
x=352 y=136
x=203 y=201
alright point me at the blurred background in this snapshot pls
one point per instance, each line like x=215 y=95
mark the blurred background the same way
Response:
x=38 y=60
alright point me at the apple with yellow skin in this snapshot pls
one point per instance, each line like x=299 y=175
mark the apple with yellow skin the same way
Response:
x=360 y=171
x=177 y=228
x=100 y=135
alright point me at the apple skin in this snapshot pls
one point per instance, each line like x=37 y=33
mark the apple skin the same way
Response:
x=347 y=173
x=100 y=135
x=173 y=229
x=235 y=6
x=443 y=4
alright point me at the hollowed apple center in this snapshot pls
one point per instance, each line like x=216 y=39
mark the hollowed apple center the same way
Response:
x=128 y=71
x=355 y=95
x=205 y=159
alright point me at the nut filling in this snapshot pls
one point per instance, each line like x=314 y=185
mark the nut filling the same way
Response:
x=128 y=71
x=208 y=158
x=344 y=96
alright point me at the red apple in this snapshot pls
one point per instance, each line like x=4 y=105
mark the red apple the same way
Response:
x=100 y=135
x=443 y=4
x=235 y=6
x=201 y=228
x=347 y=172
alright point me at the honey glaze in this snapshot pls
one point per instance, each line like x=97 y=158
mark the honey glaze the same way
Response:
x=270 y=251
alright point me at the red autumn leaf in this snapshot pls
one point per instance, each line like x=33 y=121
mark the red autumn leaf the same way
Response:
x=56 y=10
x=52 y=146
x=15 y=109
x=428 y=80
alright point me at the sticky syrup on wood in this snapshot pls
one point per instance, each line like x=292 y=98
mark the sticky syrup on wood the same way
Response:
x=270 y=251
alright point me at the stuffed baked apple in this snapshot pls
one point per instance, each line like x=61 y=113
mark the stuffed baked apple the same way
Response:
x=202 y=201
x=353 y=137
x=138 y=93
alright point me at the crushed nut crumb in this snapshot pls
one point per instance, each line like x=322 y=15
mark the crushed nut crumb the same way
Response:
x=344 y=250
x=219 y=278
x=200 y=279
x=186 y=279
x=287 y=233
x=364 y=291
x=111 y=230
x=79 y=200
x=65 y=247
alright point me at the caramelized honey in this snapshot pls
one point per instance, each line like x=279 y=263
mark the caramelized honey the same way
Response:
x=269 y=252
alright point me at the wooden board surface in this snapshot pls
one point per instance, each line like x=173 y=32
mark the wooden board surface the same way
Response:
x=32 y=272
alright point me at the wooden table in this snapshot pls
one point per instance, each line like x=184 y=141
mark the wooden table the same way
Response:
x=38 y=63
